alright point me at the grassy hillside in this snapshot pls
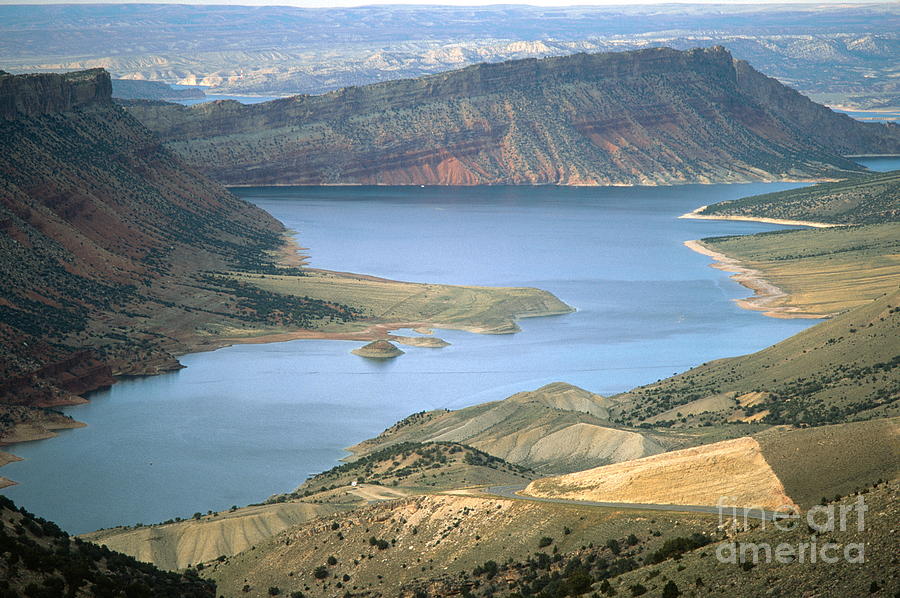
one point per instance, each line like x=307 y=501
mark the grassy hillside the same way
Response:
x=846 y=368
x=442 y=545
x=489 y=310
x=815 y=464
x=864 y=199
x=699 y=573
x=822 y=271
x=416 y=467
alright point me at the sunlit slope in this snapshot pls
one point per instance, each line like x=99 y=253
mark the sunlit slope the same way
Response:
x=733 y=471
x=822 y=271
x=558 y=427
x=178 y=545
x=777 y=467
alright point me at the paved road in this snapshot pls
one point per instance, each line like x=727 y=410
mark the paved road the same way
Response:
x=727 y=512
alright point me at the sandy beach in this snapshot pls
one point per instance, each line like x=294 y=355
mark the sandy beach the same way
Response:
x=766 y=295
x=696 y=215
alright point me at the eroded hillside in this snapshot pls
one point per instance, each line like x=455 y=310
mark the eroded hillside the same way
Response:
x=558 y=427
x=656 y=116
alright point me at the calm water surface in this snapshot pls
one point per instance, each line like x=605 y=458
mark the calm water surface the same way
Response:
x=245 y=422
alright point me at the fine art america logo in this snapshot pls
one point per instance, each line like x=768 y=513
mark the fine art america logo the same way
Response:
x=820 y=519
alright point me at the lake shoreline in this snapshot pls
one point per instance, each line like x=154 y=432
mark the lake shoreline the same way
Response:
x=696 y=215
x=290 y=254
x=764 y=292
x=560 y=185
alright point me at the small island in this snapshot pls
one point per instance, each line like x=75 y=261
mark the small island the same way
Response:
x=380 y=349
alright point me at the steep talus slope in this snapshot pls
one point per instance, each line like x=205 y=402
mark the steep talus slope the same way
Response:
x=555 y=428
x=107 y=239
x=655 y=116
x=817 y=123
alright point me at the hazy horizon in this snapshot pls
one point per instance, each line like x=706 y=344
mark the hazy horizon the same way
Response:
x=472 y=3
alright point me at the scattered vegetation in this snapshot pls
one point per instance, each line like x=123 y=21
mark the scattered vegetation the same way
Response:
x=861 y=199
x=41 y=561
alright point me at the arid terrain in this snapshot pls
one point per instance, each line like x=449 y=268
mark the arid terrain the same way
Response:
x=835 y=53
x=120 y=251
x=647 y=117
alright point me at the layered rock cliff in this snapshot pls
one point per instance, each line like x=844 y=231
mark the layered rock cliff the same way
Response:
x=657 y=116
x=33 y=95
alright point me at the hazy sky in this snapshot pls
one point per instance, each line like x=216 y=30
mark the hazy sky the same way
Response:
x=333 y=3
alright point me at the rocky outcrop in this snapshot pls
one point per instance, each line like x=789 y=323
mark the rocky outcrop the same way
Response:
x=379 y=349
x=34 y=95
x=656 y=116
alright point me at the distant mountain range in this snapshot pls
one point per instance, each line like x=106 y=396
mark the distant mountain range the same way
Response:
x=835 y=52
x=647 y=117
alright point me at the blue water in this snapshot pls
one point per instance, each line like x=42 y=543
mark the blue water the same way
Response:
x=872 y=115
x=881 y=164
x=245 y=422
x=211 y=97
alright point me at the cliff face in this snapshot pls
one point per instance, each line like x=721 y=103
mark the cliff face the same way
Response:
x=656 y=116
x=104 y=240
x=819 y=124
x=32 y=95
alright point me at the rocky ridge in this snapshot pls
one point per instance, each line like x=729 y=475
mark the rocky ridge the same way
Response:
x=648 y=117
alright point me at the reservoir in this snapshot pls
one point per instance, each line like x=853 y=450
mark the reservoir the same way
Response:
x=248 y=421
